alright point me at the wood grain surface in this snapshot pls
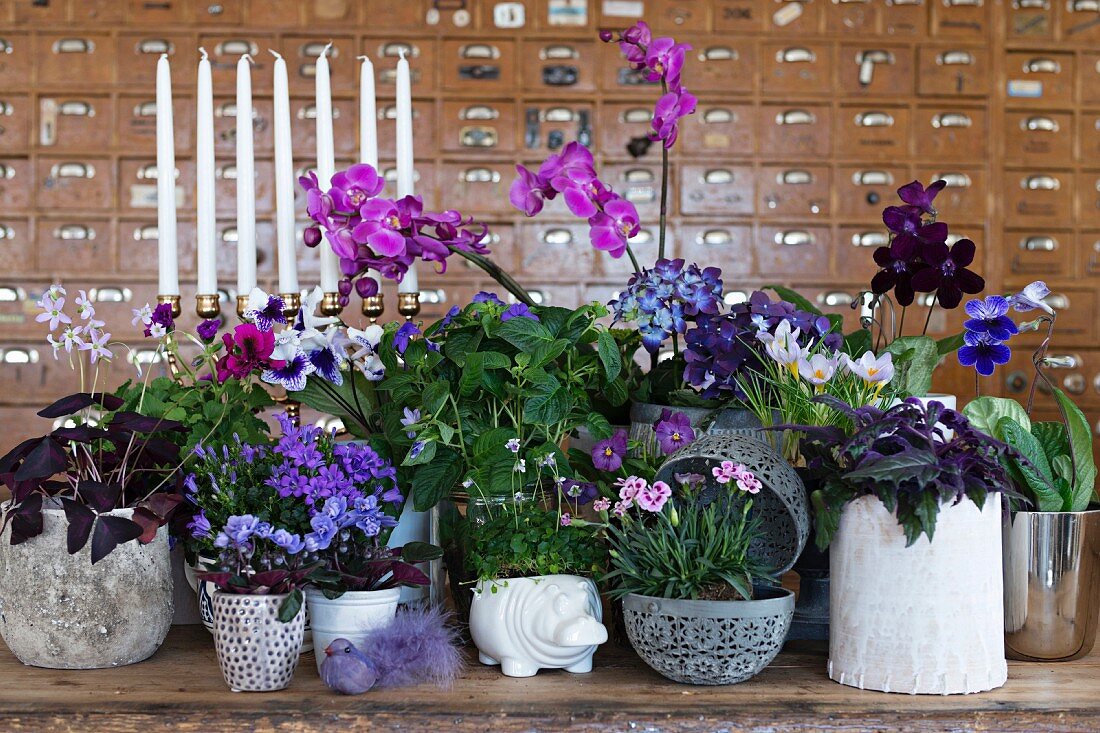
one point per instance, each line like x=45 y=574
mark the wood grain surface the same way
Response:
x=181 y=688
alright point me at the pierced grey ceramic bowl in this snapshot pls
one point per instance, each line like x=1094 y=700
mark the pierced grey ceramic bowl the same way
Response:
x=709 y=642
x=257 y=652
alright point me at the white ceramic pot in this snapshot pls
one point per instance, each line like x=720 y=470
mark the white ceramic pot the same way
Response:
x=925 y=619
x=412 y=526
x=256 y=651
x=62 y=612
x=352 y=616
x=541 y=622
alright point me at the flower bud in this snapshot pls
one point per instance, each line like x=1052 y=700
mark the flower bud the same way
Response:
x=312 y=236
x=674 y=517
x=366 y=287
x=344 y=287
x=606 y=36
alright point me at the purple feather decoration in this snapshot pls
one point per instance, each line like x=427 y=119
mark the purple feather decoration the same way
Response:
x=418 y=646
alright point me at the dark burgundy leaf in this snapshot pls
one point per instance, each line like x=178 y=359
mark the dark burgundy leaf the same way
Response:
x=81 y=519
x=75 y=402
x=80 y=434
x=405 y=574
x=163 y=505
x=144 y=424
x=109 y=533
x=159 y=452
x=99 y=496
x=149 y=523
x=16 y=454
x=26 y=519
x=47 y=459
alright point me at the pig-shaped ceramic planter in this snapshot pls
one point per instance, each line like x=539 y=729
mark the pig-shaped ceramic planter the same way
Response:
x=542 y=622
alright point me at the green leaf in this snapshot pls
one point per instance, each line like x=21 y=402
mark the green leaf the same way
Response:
x=435 y=396
x=915 y=358
x=949 y=344
x=598 y=426
x=794 y=298
x=290 y=606
x=985 y=412
x=1080 y=443
x=426 y=455
x=1035 y=474
x=543 y=354
x=546 y=408
x=927 y=510
x=353 y=401
x=1052 y=437
x=460 y=344
x=472 y=374
x=616 y=392
x=434 y=481
x=857 y=342
x=610 y=357
x=417 y=552
x=524 y=334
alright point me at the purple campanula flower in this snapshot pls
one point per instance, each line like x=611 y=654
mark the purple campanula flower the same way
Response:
x=673 y=431
x=208 y=329
x=412 y=416
x=199 y=525
x=988 y=316
x=608 y=454
x=485 y=297
x=518 y=310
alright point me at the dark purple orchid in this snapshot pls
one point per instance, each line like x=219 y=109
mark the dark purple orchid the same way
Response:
x=673 y=431
x=947 y=274
x=518 y=310
x=915 y=194
x=898 y=262
x=608 y=454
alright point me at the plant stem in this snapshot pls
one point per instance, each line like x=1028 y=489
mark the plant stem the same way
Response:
x=1037 y=361
x=901 y=321
x=633 y=259
x=664 y=189
x=502 y=277
x=929 y=318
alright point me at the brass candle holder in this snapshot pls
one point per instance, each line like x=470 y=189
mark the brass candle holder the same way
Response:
x=174 y=300
x=208 y=306
x=242 y=306
x=408 y=305
x=330 y=304
x=292 y=303
x=373 y=307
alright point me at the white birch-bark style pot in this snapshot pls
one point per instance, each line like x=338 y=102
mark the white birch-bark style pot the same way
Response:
x=62 y=612
x=925 y=619
x=352 y=616
x=542 y=622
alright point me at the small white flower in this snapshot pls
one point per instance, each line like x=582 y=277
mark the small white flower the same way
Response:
x=373 y=368
x=288 y=344
x=157 y=331
x=870 y=369
x=1031 y=298
x=84 y=306
x=513 y=445
x=310 y=303
x=142 y=315
x=521 y=466
x=548 y=461
x=467 y=483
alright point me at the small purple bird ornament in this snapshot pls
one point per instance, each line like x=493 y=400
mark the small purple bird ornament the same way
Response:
x=347 y=670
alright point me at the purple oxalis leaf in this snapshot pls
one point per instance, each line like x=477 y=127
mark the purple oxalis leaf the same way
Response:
x=109 y=533
x=47 y=459
x=99 y=496
x=80 y=519
x=76 y=402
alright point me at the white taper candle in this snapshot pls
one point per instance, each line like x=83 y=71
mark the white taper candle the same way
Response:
x=284 y=182
x=206 y=228
x=246 y=181
x=167 y=252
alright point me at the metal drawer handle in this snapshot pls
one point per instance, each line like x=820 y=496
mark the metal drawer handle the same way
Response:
x=74 y=45
x=155 y=46
x=1041 y=183
x=1039 y=244
x=873 y=178
x=1039 y=124
x=476 y=112
x=636 y=115
x=850 y=2
x=229 y=235
x=236 y=47
x=389 y=112
x=480 y=175
x=479 y=51
x=877 y=56
x=226 y=172
x=147 y=233
x=229 y=109
x=644 y=236
x=478 y=137
x=5 y=46
x=875 y=119
x=795 y=117
x=719 y=53
x=76 y=108
x=1042 y=66
x=735 y=297
x=12 y=294
x=19 y=355
x=794 y=238
x=870 y=239
x=714 y=237
x=148 y=172
x=835 y=298
x=72 y=170
x=1058 y=301
x=145 y=109
x=558 y=52
x=718 y=116
x=903 y=3
x=313 y=49
x=539 y=296
x=954 y=180
x=640 y=195
x=6 y=109
x=146 y=356
x=962 y=3
x=796 y=55
x=718 y=176
x=1084 y=6
x=795 y=177
x=559 y=114
x=74 y=233
x=951 y=119
x=1031 y=4
x=7 y=171
x=559 y=236
x=308 y=70
x=393 y=49
x=435 y=296
x=6 y=232
x=639 y=175
x=111 y=294
x=955 y=58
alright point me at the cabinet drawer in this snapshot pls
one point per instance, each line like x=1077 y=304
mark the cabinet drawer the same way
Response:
x=788 y=190
x=1088 y=253
x=1088 y=135
x=1038 y=198
x=803 y=130
x=862 y=191
x=853 y=18
x=739 y=16
x=793 y=250
x=622 y=123
x=153 y=12
x=714 y=189
x=1088 y=198
x=225 y=125
x=1039 y=138
x=303 y=126
x=1076 y=309
x=644 y=244
x=960 y=18
x=480 y=187
x=301 y=54
x=1039 y=78
x=1040 y=252
x=214 y=14
x=557 y=251
x=17 y=247
x=137 y=184
x=873 y=133
x=75 y=183
x=58 y=54
x=29 y=374
x=15 y=122
x=278 y=14
x=671 y=16
x=424 y=126
x=719 y=244
x=615 y=76
x=1089 y=73
x=479 y=127
x=137 y=247
x=137 y=123
x=16 y=183
x=225 y=51
x=795 y=17
x=855 y=250
x=1080 y=20
x=804 y=68
x=385 y=54
x=1030 y=19
x=562 y=16
x=15 y=60
x=79 y=245
x=905 y=18
x=952 y=133
x=74 y=122
x=485 y=67
x=549 y=127
x=559 y=66
x=225 y=185
x=959 y=71
x=226 y=240
x=137 y=55
x=719 y=129
x=966 y=197
x=720 y=65
x=640 y=184
x=875 y=69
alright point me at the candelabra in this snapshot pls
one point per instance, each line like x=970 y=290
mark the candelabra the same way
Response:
x=408 y=305
x=292 y=303
x=330 y=304
x=242 y=306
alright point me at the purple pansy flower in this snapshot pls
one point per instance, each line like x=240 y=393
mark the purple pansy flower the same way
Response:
x=988 y=317
x=983 y=353
x=518 y=310
x=608 y=454
x=673 y=431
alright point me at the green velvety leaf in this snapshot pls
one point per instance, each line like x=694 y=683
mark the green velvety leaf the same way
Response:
x=434 y=481
x=459 y=344
x=794 y=298
x=599 y=426
x=554 y=318
x=545 y=353
x=915 y=359
x=1052 y=437
x=1080 y=442
x=424 y=456
x=546 y=408
x=492 y=441
x=949 y=344
x=985 y=412
x=290 y=606
x=435 y=396
x=524 y=334
x=1035 y=475
x=616 y=392
x=610 y=357
x=472 y=374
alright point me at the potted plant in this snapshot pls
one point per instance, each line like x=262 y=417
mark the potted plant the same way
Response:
x=699 y=605
x=909 y=505
x=84 y=542
x=1052 y=535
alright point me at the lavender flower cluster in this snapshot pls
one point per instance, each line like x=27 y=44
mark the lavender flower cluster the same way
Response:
x=663 y=299
x=88 y=335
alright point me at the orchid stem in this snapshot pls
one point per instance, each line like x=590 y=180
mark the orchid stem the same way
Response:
x=664 y=190
x=502 y=277
x=633 y=259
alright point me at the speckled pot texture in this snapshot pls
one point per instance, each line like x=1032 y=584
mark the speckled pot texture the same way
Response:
x=257 y=652
x=59 y=611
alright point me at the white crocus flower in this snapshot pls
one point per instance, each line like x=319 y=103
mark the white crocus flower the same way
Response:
x=870 y=369
x=818 y=369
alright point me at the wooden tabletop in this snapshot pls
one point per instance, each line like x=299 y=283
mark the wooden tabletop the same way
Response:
x=181 y=688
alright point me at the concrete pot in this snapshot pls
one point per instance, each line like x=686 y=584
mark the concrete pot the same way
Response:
x=352 y=616
x=59 y=611
x=925 y=619
x=541 y=622
x=256 y=651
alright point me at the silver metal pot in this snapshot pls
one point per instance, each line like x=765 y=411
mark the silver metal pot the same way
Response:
x=1051 y=584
